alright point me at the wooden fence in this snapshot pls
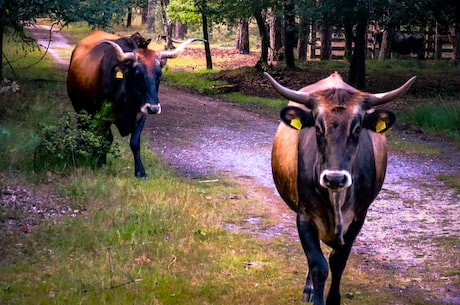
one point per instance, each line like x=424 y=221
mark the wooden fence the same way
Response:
x=436 y=46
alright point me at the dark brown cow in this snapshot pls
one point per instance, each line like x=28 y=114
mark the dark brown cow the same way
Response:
x=329 y=160
x=105 y=68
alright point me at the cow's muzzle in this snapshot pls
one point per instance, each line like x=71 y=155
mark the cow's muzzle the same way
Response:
x=335 y=180
x=151 y=109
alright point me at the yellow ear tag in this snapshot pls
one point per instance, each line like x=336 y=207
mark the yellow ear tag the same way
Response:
x=296 y=123
x=119 y=74
x=381 y=125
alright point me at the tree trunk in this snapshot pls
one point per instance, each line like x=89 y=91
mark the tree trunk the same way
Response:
x=207 y=49
x=271 y=35
x=457 y=37
x=276 y=37
x=357 y=72
x=151 y=5
x=290 y=35
x=385 y=47
x=326 y=45
x=303 y=41
x=263 y=36
x=2 y=32
x=349 y=38
x=180 y=30
x=242 y=40
x=130 y=17
x=167 y=25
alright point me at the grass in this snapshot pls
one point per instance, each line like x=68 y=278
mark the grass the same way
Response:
x=451 y=180
x=197 y=80
x=158 y=241
x=437 y=117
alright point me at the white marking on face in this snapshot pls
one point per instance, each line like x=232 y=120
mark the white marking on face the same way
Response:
x=337 y=179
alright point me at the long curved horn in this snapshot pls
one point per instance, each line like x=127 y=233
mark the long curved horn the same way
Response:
x=121 y=55
x=292 y=95
x=176 y=52
x=385 y=97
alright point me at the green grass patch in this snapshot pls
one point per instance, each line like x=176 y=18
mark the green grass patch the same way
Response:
x=161 y=239
x=441 y=117
x=269 y=103
x=451 y=180
x=197 y=80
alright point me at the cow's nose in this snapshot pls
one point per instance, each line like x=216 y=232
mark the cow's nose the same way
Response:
x=151 y=109
x=335 y=180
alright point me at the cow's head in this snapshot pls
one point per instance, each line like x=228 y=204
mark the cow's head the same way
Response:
x=339 y=113
x=139 y=72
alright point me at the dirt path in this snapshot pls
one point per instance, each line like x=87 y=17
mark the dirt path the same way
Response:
x=407 y=227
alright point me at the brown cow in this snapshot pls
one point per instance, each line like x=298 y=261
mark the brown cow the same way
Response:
x=124 y=73
x=329 y=160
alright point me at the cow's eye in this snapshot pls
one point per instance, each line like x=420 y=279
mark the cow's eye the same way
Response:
x=355 y=132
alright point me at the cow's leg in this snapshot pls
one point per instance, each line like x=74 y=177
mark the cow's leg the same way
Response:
x=317 y=264
x=308 y=290
x=135 y=144
x=338 y=260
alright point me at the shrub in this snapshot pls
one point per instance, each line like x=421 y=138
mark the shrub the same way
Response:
x=76 y=140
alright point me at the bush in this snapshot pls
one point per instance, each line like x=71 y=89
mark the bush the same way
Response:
x=76 y=140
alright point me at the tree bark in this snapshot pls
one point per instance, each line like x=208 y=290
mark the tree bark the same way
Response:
x=167 y=25
x=326 y=45
x=349 y=38
x=180 y=30
x=130 y=17
x=207 y=49
x=357 y=72
x=276 y=37
x=457 y=37
x=2 y=32
x=303 y=41
x=290 y=35
x=385 y=47
x=242 y=40
x=263 y=36
x=151 y=5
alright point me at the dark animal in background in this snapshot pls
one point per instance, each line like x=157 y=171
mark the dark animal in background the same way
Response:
x=121 y=71
x=405 y=44
x=140 y=41
x=329 y=161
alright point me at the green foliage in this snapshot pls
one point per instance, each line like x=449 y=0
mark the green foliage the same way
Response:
x=76 y=140
x=184 y=11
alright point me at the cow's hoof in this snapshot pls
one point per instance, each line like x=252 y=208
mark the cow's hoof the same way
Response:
x=141 y=176
x=307 y=296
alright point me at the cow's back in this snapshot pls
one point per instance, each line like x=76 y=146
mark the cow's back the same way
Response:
x=86 y=44
x=82 y=77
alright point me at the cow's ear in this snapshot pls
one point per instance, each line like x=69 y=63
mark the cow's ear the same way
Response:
x=296 y=118
x=379 y=121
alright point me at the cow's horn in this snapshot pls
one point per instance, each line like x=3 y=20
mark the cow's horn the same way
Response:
x=292 y=95
x=177 y=51
x=121 y=55
x=385 y=97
